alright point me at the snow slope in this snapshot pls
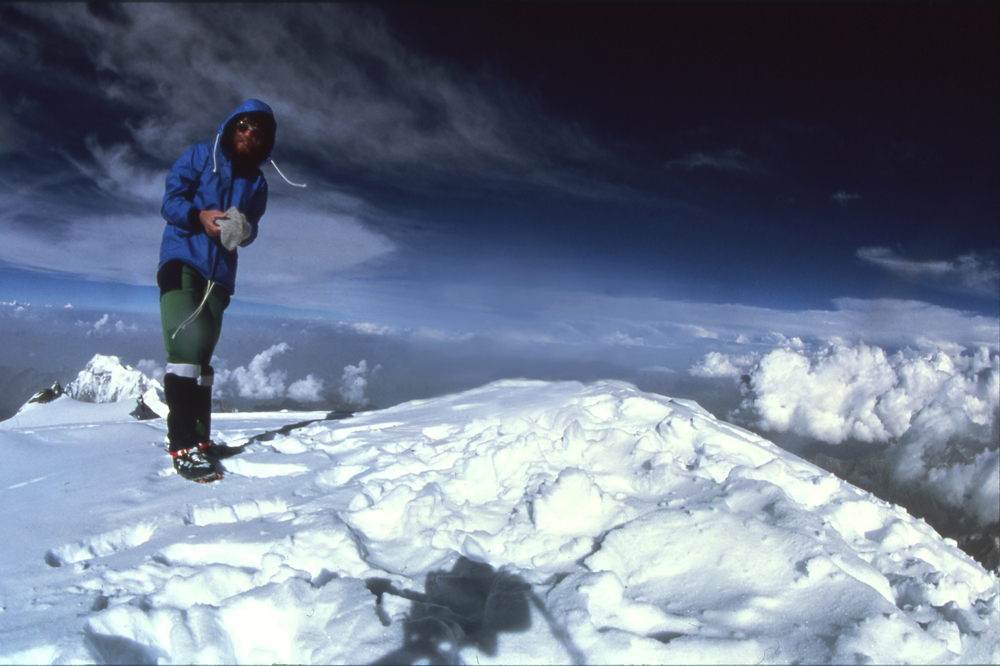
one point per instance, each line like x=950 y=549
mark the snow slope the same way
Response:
x=523 y=522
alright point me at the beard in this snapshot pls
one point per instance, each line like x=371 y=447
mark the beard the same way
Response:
x=247 y=150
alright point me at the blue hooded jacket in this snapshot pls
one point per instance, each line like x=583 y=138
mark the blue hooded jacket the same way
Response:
x=203 y=179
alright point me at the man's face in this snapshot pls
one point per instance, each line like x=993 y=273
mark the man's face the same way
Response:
x=248 y=139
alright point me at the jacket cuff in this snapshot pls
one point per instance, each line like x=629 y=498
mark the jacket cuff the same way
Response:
x=192 y=217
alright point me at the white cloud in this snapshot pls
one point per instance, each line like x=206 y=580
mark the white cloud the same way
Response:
x=975 y=486
x=355 y=383
x=732 y=161
x=716 y=364
x=697 y=331
x=438 y=335
x=932 y=407
x=348 y=97
x=120 y=327
x=257 y=381
x=117 y=172
x=300 y=242
x=309 y=389
x=860 y=392
x=585 y=318
x=969 y=272
x=668 y=323
x=342 y=87
x=369 y=328
x=99 y=325
x=260 y=381
x=619 y=338
x=832 y=397
x=60 y=239
x=308 y=242
x=891 y=261
x=103 y=326
x=844 y=198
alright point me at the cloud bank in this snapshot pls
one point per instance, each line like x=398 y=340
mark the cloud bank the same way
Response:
x=258 y=382
x=938 y=411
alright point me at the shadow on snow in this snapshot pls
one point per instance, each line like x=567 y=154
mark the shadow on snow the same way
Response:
x=468 y=606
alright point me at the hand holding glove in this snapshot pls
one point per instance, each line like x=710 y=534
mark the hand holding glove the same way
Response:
x=235 y=228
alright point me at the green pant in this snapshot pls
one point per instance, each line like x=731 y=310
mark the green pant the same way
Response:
x=181 y=291
x=187 y=384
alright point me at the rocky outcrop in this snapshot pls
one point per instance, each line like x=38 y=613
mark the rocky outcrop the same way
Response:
x=48 y=394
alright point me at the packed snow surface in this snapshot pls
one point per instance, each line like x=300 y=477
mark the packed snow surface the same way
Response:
x=523 y=522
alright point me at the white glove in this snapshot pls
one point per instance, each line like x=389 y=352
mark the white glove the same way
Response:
x=235 y=228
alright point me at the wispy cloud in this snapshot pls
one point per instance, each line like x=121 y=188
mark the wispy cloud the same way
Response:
x=116 y=171
x=12 y=139
x=602 y=326
x=667 y=324
x=345 y=92
x=731 y=161
x=58 y=237
x=845 y=198
x=309 y=241
x=349 y=98
x=306 y=240
x=972 y=273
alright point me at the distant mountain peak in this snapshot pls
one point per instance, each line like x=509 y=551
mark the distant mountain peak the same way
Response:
x=107 y=379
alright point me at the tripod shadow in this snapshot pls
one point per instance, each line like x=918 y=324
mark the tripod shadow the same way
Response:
x=469 y=605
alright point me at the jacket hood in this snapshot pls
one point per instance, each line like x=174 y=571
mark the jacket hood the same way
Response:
x=251 y=106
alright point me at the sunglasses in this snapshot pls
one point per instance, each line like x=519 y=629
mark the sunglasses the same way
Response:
x=247 y=126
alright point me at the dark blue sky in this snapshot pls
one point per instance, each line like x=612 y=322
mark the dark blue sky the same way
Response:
x=786 y=106
x=551 y=173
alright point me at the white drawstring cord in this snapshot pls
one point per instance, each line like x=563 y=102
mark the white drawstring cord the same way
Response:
x=285 y=177
x=215 y=165
x=196 y=312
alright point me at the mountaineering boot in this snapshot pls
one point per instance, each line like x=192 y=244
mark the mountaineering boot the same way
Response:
x=181 y=395
x=192 y=465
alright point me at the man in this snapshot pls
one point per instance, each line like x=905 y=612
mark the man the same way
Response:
x=197 y=273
